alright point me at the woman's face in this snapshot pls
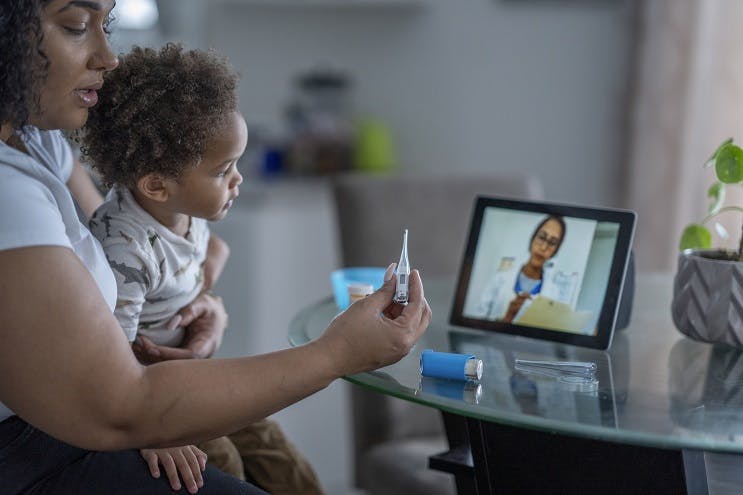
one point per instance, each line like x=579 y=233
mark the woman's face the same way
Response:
x=75 y=42
x=546 y=242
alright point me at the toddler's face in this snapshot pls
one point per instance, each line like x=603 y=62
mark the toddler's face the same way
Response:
x=208 y=189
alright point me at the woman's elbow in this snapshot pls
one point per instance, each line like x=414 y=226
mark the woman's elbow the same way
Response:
x=115 y=424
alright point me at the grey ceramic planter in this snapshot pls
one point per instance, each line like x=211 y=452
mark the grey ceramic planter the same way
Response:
x=708 y=298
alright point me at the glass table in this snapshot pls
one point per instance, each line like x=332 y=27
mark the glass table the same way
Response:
x=661 y=401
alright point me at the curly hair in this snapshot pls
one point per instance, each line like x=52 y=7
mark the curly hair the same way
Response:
x=20 y=57
x=157 y=112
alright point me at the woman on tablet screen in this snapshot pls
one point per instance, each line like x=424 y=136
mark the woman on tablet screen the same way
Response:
x=510 y=288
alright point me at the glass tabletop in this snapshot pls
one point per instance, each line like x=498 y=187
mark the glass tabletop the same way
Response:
x=655 y=387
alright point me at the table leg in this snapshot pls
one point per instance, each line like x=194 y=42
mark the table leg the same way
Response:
x=695 y=472
x=458 y=459
x=509 y=460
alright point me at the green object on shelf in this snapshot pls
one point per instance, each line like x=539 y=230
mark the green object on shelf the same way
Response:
x=374 y=148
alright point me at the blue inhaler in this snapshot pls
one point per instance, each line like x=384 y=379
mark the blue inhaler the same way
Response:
x=451 y=366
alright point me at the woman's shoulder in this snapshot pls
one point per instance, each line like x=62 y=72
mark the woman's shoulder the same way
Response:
x=41 y=171
x=17 y=179
x=29 y=212
x=47 y=148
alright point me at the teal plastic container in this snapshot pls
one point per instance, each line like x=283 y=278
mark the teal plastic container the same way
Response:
x=340 y=279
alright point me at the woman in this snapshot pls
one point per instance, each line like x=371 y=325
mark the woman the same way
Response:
x=507 y=292
x=65 y=365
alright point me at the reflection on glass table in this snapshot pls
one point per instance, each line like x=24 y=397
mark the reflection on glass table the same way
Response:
x=540 y=394
x=707 y=389
x=556 y=401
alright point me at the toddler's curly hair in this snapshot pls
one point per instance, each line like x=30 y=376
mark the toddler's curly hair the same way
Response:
x=157 y=111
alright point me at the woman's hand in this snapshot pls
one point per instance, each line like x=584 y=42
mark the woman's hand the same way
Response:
x=514 y=306
x=376 y=331
x=148 y=352
x=205 y=320
x=189 y=461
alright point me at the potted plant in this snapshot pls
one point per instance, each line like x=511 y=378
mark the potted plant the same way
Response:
x=708 y=288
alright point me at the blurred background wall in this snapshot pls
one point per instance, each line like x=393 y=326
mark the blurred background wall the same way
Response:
x=466 y=87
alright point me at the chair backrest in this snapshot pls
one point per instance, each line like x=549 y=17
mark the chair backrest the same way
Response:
x=372 y=213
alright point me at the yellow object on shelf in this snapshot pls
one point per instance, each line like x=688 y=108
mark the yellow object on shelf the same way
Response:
x=374 y=147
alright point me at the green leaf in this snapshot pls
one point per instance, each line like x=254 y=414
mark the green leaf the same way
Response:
x=711 y=159
x=695 y=236
x=716 y=193
x=729 y=164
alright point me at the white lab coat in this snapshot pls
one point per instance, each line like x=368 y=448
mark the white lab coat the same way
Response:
x=499 y=291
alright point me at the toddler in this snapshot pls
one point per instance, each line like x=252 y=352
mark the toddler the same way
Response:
x=166 y=137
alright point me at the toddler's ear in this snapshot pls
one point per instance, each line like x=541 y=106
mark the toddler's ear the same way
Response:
x=153 y=186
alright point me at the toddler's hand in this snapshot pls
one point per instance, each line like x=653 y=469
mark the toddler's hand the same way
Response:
x=189 y=461
x=205 y=320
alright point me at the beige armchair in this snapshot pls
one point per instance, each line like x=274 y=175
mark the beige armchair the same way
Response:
x=394 y=438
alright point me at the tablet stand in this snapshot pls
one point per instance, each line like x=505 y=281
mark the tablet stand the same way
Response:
x=624 y=312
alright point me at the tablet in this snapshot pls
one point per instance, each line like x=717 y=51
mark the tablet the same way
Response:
x=544 y=270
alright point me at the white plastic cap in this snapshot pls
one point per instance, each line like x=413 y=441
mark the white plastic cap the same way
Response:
x=360 y=289
x=473 y=369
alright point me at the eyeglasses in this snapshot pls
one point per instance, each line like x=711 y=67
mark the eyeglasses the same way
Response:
x=545 y=239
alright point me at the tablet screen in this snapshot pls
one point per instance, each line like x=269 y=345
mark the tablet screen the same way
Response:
x=544 y=270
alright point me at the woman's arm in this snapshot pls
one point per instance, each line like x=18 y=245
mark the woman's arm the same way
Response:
x=83 y=190
x=66 y=367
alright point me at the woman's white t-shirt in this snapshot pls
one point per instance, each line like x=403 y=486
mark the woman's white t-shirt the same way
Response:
x=36 y=208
